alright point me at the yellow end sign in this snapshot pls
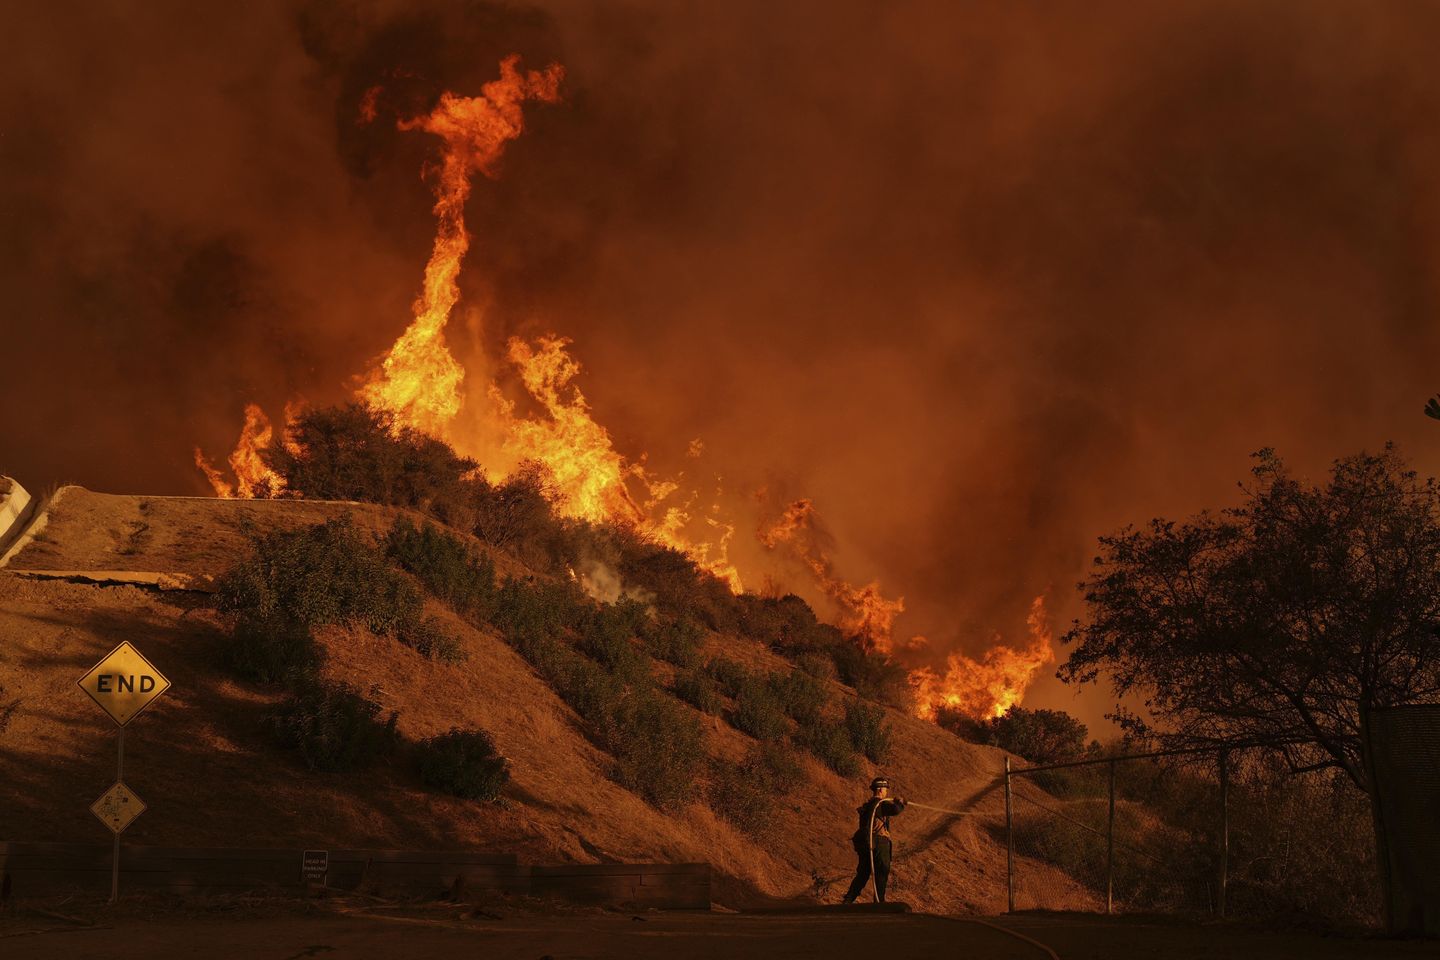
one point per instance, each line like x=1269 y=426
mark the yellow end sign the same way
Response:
x=118 y=808
x=124 y=683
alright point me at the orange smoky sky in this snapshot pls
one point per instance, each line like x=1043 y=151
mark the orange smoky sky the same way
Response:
x=982 y=281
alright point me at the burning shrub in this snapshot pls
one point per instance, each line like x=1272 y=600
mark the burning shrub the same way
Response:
x=869 y=733
x=273 y=650
x=758 y=710
x=658 y=748
x=800 y=695
x=699 y=689
x=674 y=640
x=355 y=452
x=681 y=588
x=431 y=640
x=333 y=726
x=830 y=742
x=463 y=763
x=449 y=569
x=744 y=792
x=319 y=575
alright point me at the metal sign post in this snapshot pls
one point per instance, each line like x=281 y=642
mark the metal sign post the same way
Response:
x=124 y=683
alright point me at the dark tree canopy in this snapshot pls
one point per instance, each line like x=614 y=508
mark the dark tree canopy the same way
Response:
x=1040 y=736
x=356 y=452
x=1284 y=620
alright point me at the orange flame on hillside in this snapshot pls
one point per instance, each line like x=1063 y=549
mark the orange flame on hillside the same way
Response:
x=986 y=688
x=865 y=611
x=420 y=383
x=592 y=479
x=252 y=477
x=419 y=380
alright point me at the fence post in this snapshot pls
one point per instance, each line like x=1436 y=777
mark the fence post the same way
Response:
x=1224 y=869
x=1110 y=847
x=1009 y=845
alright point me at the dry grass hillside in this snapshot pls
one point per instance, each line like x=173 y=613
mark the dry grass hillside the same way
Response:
x=212 y=776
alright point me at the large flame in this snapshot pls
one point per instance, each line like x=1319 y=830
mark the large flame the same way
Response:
x=419 y=380
x=986 y=688
x=421 y=384
x=864 y=611
x=252 y=477
x=593 y=481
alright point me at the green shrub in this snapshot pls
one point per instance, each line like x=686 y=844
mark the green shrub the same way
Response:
x=777 y=767
x=675 y=641
x=745 y=793
x=518 y=515
x=818 y=665
x=868 y=731
x=874 y=676
x=333 y=727
x=800 y=695
x=607 y=637
x=699 y=689
x=658 y=748
x=449 y=569
x=730 y=675
x=1040 y=736
x=320 y=575
x=830 y=742
x=273 y=650
x=526 y=609
x=463 y=763
x=430 y=638
x=355 y=452
x=594 y=692
x=758 y=711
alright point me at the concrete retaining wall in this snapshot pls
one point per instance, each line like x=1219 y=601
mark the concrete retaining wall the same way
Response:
x=51 y=869
x=15 y=509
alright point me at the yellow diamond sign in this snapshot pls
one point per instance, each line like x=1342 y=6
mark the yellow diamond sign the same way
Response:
x=118 y=808
x=124 y=683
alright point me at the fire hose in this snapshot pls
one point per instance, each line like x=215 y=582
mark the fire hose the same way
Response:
x=870 y=835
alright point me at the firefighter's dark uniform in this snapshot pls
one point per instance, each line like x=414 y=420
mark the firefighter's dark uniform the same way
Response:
x=881 y=839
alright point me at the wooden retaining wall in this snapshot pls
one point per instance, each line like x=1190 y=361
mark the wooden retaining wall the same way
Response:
x=49 y=869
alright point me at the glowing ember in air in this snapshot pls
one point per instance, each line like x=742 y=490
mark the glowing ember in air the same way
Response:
x=865 y=611
x=252 y=477
x=419 y=381
x=986 y=688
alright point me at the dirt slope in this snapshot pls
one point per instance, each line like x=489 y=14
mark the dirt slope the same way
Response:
x=210 y=775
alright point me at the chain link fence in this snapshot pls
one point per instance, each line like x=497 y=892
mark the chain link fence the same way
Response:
x=1199 y=833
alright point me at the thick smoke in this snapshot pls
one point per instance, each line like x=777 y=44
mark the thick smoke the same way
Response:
x=981 y=281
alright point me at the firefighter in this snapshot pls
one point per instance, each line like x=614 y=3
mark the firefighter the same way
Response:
x=872 y=839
